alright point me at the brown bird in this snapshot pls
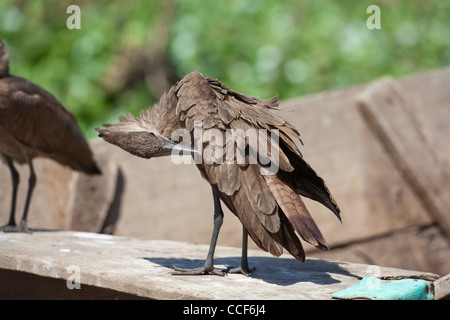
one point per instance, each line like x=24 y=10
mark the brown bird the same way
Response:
x=34 y=124
x=268 y=204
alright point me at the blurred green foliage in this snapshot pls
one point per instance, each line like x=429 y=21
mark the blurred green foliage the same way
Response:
x=258 y=47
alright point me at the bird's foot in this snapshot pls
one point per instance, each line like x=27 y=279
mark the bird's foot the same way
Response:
x=246 y=271
x=9 y=228
x=22 y=227
x=199 y=271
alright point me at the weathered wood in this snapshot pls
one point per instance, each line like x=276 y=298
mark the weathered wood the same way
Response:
x=385 y=106
x=142 y=268
x=441 y=288
x=373 y=197
x=95 y=202
x=412 y=248
x=18 y=285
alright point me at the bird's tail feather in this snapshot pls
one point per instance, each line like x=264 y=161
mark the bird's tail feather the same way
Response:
x=296 y=212
x=308 y=183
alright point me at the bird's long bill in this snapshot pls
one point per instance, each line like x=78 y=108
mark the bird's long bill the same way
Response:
x=176 y=148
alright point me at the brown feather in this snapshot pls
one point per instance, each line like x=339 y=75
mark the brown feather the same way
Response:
x=263 y=239
x=296 y=211
x=260 y=200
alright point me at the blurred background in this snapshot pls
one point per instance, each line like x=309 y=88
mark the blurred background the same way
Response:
x=128 y=52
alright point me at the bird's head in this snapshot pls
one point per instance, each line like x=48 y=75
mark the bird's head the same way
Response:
x=144 y=144
x=4 y=59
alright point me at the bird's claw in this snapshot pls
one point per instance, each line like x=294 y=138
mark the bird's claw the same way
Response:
x=15 y=228
x=198 y=271
x=246 y=271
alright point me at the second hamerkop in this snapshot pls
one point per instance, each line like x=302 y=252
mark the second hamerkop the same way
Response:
x=33 y=123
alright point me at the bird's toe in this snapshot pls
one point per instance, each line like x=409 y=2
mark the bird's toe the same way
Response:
x=246 y=271
x=15 y=228
x=198 y=271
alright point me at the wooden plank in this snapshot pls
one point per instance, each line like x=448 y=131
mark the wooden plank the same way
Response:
x=343 y=150
x=430 y=104
x=414 y=248
x=385 y=107
x=17 y=285
x=143 y=268
x=441 y=288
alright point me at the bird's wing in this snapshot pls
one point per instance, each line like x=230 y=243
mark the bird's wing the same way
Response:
x=40 y=123
x=259 y=205
x=259 y=114
x=270 y=207
x=240 y=185
x=216 y=106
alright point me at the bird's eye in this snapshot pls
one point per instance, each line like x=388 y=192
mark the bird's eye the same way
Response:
x=151 y=134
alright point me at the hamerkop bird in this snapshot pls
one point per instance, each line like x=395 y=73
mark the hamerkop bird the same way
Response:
x=269 y=206
x=34 y=124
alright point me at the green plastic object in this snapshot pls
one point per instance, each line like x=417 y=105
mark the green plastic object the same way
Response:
x=376 y=289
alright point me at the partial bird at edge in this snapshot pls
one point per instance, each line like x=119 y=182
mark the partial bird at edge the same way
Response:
x=33 y=123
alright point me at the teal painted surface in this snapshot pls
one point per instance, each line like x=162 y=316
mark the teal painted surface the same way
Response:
x=375 y=289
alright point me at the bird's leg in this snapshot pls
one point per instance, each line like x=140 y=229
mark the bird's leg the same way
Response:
x=244 y=269
x=208 y=266
x=11 y=226
x=31 y=184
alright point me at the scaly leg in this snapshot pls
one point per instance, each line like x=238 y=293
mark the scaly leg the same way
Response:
x=11 y=226
x=31 y=184
x=244 y=269
x=208 y=266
